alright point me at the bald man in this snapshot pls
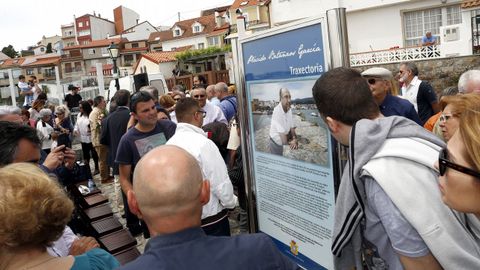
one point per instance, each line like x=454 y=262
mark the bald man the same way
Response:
x=212 y=98
x=170 y=201
x=191 y=137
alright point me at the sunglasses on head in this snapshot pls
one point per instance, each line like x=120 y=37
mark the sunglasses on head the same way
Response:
x=444 y=163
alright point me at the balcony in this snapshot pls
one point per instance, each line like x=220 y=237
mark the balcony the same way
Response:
x=395 y=55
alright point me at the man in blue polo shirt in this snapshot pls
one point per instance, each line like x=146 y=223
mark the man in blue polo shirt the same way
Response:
x=428 y=39
x=228 y=103
x=379 y=80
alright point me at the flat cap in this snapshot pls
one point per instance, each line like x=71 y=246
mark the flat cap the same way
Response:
x=378 y=72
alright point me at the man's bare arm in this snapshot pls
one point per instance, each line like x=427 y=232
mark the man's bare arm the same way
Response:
x=427 y=262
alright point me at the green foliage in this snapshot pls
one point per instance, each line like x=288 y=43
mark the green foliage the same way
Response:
x=10 y=51
x=188 y=54
x=49 y=48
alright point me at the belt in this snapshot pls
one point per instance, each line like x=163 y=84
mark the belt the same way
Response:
x=215 y=218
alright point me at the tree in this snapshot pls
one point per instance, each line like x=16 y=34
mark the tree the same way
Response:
x=10 y=51
x=49 y=48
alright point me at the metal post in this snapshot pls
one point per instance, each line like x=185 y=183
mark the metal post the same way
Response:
x=13 y=93
x=339 y=57
x=100 y=81
x=338 y=38
x=115 y=71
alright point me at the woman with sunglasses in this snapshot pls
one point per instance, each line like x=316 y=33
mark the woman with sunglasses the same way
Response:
x=452 y=109
x=459 y=166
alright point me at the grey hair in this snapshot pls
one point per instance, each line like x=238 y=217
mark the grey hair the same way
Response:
x=466 y=77
x=62 y=109
x=152 y=90
x=280 y=92
x=8 y=110
x=411 y=66
x=449 y=91
x=221 y=87
x=45 y=112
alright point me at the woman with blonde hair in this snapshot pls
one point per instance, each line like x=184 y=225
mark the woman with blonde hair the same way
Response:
x=167 y=102
x=459 y=166
x=34 y=111
x=452 y=108
x=33 y=213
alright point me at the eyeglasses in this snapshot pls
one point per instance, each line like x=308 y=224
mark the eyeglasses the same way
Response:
x=444 y=163
x=199 y=96
x=445 y=117
x=204 y=113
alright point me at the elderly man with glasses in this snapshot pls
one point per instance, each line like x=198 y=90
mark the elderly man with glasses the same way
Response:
x=146 y=134
x=193 y=139
x=214 y=113
x=379 y=80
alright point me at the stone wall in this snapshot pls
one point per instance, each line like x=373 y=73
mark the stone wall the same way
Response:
x=441 y=73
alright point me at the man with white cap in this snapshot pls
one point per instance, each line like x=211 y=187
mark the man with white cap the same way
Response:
x=379 y=80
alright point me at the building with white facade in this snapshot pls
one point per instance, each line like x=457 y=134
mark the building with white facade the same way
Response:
x=381 y=27
x=156 y=62
x=93 y=27
x=124 y=18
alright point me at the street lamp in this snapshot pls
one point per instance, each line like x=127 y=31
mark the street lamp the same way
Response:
x=113 y=51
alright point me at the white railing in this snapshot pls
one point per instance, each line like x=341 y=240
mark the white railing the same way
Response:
x=394 y=55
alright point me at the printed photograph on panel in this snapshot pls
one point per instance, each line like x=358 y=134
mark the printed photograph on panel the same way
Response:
x=286 y=121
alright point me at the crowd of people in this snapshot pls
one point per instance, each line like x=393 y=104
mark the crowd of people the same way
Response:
x=409 y=197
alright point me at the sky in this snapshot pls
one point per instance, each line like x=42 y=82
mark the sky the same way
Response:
x=297 y=88
x=23 y=25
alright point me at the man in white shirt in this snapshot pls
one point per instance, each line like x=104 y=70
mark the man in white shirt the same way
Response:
x=214 y=113
x=282 y=127
x=420 y=94
x=190 y=136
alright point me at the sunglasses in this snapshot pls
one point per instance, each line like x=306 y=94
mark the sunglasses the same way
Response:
x=372 y=81
x=444 y=163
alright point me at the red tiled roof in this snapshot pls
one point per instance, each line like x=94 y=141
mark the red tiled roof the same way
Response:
x=162 y=35
x=44 y=62
x=183 y=48
x=208 y=23
x=470 y=3
x=95 y=43
x=220 y=30
x=161 y=57
x=237 y=3
x=157 y=57
x=11 y=62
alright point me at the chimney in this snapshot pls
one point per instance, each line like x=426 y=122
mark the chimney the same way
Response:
x=94 y=15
